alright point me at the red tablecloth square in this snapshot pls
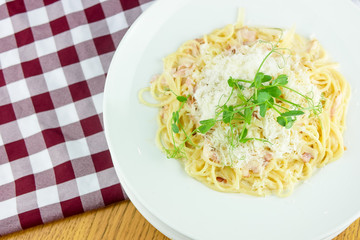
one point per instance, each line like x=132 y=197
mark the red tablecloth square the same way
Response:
x=59 y=25
x=24 y=37
x=16 y=7
x=79 y=91
x=25 y=184
x=16 y=150
x=53 y=136
x=68 y=56
x=42 y=102
x=104 y=44
x=64 y=172
x=30 y=218
x=31 y=68
x=7 y=114
x=94 y=13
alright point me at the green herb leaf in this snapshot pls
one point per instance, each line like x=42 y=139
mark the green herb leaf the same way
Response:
x=175 y=116
x=208 y=121
x=243 y=134
x=266 y=78
x=281 y=80
x=263 y=109
x=181 y=98
x=273 y=91
x=258 y=79
x=286 y=122
x=231 y=82
x=292 y=113
x=290 y=124
x=263 y=97
x=282 y=121
x=234 y=83
x=247 y=115
x=206 y=125
x=244 y=140
x=174 y=128
x=228 y=114
x=270 y=102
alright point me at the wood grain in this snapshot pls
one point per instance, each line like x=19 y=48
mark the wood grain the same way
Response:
x=117 y=221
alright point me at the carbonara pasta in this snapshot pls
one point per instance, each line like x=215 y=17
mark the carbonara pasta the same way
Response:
x=249 y=109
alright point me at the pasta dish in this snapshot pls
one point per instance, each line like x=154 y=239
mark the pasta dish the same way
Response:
x=252 y=110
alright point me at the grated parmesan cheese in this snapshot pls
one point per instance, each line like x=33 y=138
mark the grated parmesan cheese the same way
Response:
x=212 y=89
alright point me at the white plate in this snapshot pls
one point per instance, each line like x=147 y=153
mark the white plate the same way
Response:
x=317 y=209
x=162 y=227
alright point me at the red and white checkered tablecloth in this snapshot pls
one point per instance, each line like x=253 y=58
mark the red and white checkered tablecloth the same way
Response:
x=54 y=56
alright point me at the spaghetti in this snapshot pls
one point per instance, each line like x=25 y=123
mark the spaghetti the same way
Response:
x=271 y=158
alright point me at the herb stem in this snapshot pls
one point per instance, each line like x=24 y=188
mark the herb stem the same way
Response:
x=306 y=97
x=284 y=100
x=245 y=81
x=272 y=106
x=248 y=106
x=281 y=107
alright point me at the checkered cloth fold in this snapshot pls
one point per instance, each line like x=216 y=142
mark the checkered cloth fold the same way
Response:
x=54 y=56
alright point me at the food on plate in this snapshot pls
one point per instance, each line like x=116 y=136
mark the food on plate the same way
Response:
x=250 y=109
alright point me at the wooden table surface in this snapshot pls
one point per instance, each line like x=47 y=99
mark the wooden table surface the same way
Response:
x=117 y=221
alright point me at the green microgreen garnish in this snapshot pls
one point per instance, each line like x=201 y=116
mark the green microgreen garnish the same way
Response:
x=239 y=117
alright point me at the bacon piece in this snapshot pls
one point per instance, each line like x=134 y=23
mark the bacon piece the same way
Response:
x=255 y=114
x=191 y=100
x=220 y=179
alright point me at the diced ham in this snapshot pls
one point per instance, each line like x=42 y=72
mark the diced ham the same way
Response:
x=153 y=79
x=245 y=172
x=336 y=104
x=248 y=36
x=200 y=40
x=306 y=157
x=254 y=166
x=183 y=70
x=163 y=81
x=210 y=153
x=164 y=110
x=314 y=44
x=188 y=82
x=268 y=156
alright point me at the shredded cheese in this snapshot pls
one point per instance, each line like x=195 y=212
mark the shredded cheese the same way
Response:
x=213 y=90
